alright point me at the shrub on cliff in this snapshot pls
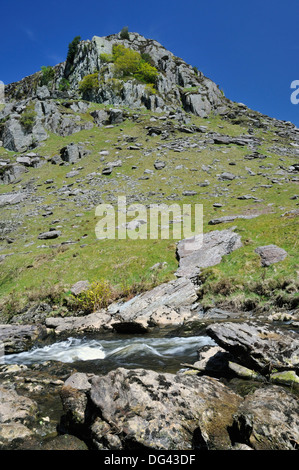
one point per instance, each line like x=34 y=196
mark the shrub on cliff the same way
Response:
x=89 y=83
x=47 y=75
x=28 y=117
x=129 y=63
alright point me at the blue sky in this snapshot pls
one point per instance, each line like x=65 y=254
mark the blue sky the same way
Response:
x=249 y=48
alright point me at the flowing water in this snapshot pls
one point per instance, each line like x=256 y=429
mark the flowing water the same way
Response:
x=89 y=355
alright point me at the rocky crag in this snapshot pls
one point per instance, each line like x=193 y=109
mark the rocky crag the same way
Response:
x=82 y=133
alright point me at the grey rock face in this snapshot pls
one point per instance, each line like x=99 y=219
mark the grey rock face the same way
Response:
x=194 y=254
x=178 y=84
x=11 y=173
x=140 y=408
x=271 y=254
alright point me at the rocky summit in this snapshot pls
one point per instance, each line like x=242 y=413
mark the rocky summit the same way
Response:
x=159 y=339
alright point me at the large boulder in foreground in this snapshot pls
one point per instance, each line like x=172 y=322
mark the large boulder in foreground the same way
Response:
x=134 y=409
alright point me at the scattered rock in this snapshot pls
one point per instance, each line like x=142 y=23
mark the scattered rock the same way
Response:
x=226 y=176
x=159 y=165
x=49 y=235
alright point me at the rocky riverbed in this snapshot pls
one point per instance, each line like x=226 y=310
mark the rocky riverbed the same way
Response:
x=236 y=387
x=155 y=372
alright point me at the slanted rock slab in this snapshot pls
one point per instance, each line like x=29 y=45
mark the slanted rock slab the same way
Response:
x=201 y=252
x=261 y=348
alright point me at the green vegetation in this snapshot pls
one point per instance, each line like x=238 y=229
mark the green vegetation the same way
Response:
x=72 y=49
x=89 y=83
x=64 y=84
x=129 y=63
x=97 y=296
x=28 y=116
x=124 y=34
x=48 y=74
x=35 y=269
x=106 y=58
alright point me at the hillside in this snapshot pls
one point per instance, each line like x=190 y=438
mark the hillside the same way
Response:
x=132 y=339
x=156 y=130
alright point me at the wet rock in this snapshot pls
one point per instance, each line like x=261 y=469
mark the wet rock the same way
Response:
x=17 y=338
x=145 y=409
x=64 y=442
x=271 y=254
x=288 y=377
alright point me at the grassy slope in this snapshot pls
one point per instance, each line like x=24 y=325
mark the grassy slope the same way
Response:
x=34 y=270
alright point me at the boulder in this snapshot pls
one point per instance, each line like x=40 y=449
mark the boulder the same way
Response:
x=17 y=338
x=270 y=254
x=11 y=173
x=49 y=235
x=11 y=199
x=73 y=153
x=268 y=420
x=159 y=165
x=262 y=348
x=79 y=287
x=201 y=252
x=168 y=304
x=94 y=322
x=141 y=409
x=16 y=413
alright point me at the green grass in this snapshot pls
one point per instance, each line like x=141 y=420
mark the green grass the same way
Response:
x=124 y=262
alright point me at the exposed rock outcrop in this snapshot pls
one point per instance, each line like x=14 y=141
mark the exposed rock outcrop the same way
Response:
x=145 y=409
